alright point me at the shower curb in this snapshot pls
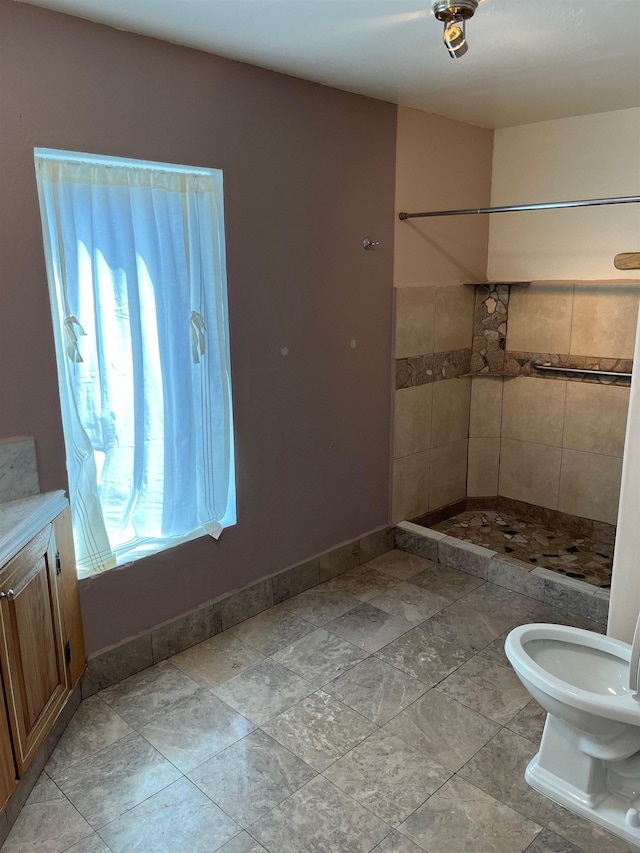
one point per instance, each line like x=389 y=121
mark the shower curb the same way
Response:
x=568 y=595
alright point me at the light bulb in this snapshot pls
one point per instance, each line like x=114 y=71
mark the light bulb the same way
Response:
x=454 y=37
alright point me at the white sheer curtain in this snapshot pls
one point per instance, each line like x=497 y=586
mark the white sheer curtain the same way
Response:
x=136 y=268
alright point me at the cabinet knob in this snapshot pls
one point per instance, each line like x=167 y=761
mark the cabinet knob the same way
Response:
x=9 y=595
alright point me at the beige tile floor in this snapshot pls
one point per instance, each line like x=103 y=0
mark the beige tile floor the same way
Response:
x=376 y=712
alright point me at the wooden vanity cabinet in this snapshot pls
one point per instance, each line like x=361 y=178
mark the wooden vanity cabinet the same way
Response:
x=41 y=643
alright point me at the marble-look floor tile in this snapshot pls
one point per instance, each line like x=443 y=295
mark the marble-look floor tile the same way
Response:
x=90 y=844
x=47 y=823
x=180 y=817
x=396 y=843
x=93 y=726
x=153 y=691
x=549 y=842
x=467 y=627
x=460 y=818
x=320 y=606
x=399 y=564
x=376 y=690
x=320 y=657
x=319 y=729
x=251 y=777
x=369 y=627
x=195 y=729
x=504 y=604
x=495 y=653
x=44 y=791
x=272 y=630
x=491 y=689
x=446 y=731
x=362 y=583
x=242 y=843
x=498 y=769
x=529 y=722
x=216 y=660
x=445 y=581
x=586 y=835
x=387 y=777
x=424 y=655
x=264 y=690
x=412 y=602
x=114 y=780
x=319 y=818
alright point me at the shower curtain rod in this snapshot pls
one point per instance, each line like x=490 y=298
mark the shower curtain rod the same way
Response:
x=552 y=205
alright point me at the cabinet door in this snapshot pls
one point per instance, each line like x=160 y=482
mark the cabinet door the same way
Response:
x=69 y=596
x=32 y=652
x=8 y=780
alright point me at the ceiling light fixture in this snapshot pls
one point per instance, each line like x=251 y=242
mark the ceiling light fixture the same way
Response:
x=454 y=13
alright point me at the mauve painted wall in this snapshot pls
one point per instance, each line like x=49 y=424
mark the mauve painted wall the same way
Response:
x=309 y=172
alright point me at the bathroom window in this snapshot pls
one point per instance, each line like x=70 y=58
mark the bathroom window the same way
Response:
x=135 y=258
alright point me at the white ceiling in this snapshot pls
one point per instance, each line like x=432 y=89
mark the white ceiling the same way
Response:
x=528 y=60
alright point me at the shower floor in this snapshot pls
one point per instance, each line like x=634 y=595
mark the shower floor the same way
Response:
x=575 y=556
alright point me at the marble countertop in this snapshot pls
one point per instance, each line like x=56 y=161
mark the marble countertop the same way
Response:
x=21 y=520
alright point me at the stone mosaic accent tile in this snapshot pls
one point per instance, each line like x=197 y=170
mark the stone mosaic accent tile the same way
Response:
x=490 y=328
x=580 y=557
x=517 y=363
x=449 y=365
x=432 y=367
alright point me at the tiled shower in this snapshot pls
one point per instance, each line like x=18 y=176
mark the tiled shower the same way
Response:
x=477 y=429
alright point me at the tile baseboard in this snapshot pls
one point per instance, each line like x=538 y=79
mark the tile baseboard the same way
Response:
x=109 y=666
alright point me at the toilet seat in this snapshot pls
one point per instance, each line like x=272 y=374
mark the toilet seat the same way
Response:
x=621 y=707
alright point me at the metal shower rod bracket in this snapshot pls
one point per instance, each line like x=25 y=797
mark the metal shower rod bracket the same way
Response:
x=552 y=205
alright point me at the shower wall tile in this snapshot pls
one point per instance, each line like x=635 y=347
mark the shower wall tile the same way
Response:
x=540 y=317
x=530 y=472
x=604 y=320
x=453 y=317
x=451 y=402
x=484 y=466
x=590 y=485
x=595 y=418
x=448 y=474
x=412 y=420
x=411 y=486
x=415 y=320
x=533 y=410
x=485 y=418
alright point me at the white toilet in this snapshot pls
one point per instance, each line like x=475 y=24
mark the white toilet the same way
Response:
x=589 y=757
